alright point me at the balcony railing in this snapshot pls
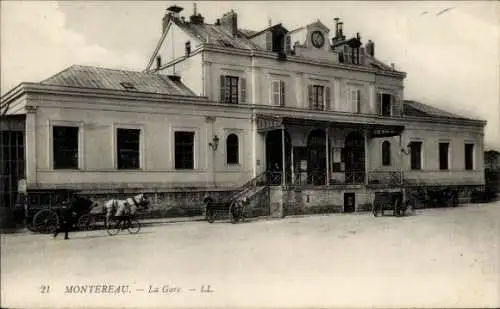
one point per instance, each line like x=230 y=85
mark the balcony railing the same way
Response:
x=318 y=178
x=392 y=178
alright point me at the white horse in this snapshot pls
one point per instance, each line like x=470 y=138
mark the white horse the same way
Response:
x=125 y=208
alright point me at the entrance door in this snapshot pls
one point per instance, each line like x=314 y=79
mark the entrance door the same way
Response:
x=349 y=202
x=316 y=165
x=355 y=158
x=274 y=159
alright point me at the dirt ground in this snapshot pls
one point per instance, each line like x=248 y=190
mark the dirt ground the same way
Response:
x=444 y=257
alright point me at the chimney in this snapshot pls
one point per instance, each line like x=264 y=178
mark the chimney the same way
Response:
x=393 y=67
x=341 y=32
x=229 y=21
x=172 y=12
x=336 y=27
x=370 y=48
x=196 y=18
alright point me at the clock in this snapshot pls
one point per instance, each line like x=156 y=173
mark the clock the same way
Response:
x=318 y=39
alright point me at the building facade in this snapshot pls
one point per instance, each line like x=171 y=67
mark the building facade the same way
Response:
x=310 y=110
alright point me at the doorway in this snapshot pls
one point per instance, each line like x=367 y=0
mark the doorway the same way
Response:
x=349 y=202
x=274 y=154
x=354 y=158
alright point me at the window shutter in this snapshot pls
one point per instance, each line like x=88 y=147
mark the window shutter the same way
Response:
x=243 y=93
x=269 y=41
x=282 y=93
x=275 y=96
x=310 y=95
x=327 y=98
x=358 y=101
x=222 y=88
x=288 y=43
x=396 y=106
x=379 y=104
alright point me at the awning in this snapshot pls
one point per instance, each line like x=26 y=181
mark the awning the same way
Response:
x=268 y=123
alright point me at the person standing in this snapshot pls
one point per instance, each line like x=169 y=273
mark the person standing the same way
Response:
x=66 y=218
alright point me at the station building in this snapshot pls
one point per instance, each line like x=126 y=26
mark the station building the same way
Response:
x=310 y=110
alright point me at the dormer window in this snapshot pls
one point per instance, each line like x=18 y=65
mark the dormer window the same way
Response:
x=278 y=42
x=128 y=86
x=188 y=48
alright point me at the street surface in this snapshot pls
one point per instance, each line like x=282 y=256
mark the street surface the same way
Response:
x=435 y=258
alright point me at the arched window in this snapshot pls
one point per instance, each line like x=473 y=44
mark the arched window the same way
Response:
x=386 y=153
x=232 y=151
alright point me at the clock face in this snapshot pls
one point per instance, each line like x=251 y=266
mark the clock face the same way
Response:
x=317 y=39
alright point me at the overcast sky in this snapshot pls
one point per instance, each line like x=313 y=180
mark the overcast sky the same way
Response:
x=452 y=59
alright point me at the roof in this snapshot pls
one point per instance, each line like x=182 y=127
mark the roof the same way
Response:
x=217 y=34
x=417 y=109
x=103 y=78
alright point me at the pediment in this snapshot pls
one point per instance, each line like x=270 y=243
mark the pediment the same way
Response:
x=318 y=24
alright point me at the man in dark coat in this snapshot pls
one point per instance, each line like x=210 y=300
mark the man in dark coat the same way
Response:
x=66 y=218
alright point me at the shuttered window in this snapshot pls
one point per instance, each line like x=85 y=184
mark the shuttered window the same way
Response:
x=384 y=104
x=229 y=89
x=355 y=98
x=316 y=97
x=278 y=93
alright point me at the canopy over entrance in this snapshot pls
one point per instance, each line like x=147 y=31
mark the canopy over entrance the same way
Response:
x=268 y=123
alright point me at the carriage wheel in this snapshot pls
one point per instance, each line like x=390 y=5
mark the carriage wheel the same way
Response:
x=46 y=221
x=113 y=227
x=85 y=222
x=133 y=226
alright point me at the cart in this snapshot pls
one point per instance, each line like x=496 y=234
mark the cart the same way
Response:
x=42 y=209
x=391 y=201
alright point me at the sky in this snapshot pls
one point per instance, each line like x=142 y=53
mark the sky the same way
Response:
x=452 y=59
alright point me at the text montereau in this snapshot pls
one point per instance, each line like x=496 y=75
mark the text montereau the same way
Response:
x=97 y=289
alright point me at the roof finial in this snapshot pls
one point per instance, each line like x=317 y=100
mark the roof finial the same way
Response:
x=194 y=9
x=269 y=23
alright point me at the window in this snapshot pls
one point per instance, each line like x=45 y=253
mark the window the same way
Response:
x=469 y=156
x=278 y=42
x=184 y=150
x=385 y=104
x=316 y=99
x=356 y=100
x=386 y=153
x=278 y=93
x=65 y=147
x=188 y=48
x=444 y=154
x=416 y=155
x=128 y=86
x=127 y=148
x=232 y=151
x=229 y=89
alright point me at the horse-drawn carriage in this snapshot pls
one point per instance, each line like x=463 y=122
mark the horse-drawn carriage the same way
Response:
x=232 y=208
x=115 y=215
x=42 y=209
x=391 y=201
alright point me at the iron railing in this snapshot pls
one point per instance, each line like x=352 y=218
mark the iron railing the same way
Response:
x=392 y=178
